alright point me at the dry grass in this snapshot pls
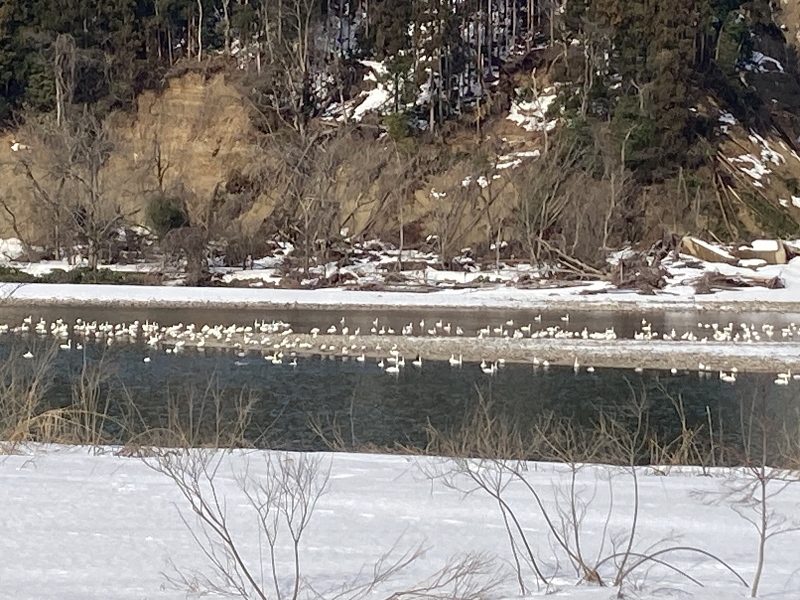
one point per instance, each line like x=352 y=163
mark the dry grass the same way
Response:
x=101 y=413
x=627 y=438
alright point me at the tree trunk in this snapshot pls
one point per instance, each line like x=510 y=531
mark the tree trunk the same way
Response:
x=200 y=31
x=226 y=24
x=480 y=80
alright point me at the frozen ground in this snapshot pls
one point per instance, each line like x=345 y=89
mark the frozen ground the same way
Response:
x=83 y=525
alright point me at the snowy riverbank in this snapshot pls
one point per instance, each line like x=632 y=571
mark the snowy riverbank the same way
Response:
x=592 y=296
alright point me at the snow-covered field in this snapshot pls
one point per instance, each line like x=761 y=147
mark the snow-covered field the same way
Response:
x=83 y=524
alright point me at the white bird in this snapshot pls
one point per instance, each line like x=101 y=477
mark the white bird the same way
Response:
x=590 y=369
x=417 y=362
x=146 y=359
x=455 y=362
x=27 y=355
x=394 y=369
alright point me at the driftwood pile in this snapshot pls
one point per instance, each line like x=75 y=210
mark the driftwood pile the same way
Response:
x=640 y=272
x=708 y=283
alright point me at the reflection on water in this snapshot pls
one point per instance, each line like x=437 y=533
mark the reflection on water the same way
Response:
x=370 y=406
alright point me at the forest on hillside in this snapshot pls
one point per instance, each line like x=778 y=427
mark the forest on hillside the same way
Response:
x=629 y=76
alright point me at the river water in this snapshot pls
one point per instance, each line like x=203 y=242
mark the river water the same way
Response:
x=366 y=405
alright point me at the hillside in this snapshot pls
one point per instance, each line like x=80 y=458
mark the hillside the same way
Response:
x=543 y=132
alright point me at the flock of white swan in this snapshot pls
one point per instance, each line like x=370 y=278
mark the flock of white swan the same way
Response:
x=279 y=344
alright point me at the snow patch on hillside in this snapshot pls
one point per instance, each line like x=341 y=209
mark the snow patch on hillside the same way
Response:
x=760 y=63
x=376 y=99
x=726 y=121
x=756 y=171
x=532 y=115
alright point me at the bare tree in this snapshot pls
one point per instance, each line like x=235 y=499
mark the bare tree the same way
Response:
x=65 y=172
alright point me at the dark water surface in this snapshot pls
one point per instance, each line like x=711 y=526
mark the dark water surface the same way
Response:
x=367 y=405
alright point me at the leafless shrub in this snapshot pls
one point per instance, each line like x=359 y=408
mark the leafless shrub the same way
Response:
x=281 y=492
x=203 y=417
x=187 y=248
x=750 y=493
x=26 y=415
x=562 y=508
x=485 y=434
x=575 y=200
x=23 y=385
x=751 y=490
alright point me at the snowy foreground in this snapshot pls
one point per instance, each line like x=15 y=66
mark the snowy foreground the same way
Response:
x=78 y=524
